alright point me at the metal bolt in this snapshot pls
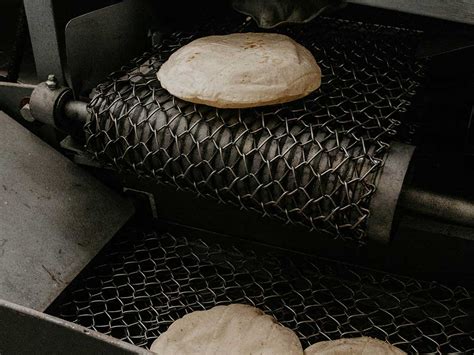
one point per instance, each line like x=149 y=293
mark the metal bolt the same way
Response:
x=51 y=83
x=26 y=113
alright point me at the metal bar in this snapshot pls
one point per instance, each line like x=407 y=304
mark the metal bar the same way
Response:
x=458 y=11
x=454 y=210
x=44 y=38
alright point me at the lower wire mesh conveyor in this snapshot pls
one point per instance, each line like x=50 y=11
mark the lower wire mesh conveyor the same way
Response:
x=144 y=280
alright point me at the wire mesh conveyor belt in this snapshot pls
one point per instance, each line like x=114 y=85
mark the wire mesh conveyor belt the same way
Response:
x=144 y=280
x=313 y=162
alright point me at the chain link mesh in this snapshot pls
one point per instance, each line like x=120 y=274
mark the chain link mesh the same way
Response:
x=312 y=162
x=143 y=281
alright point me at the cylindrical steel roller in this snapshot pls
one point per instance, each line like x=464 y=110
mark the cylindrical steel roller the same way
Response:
x=315 y=177
x=261 y=176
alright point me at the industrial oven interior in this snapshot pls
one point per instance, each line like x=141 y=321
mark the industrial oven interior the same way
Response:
x=343 y=212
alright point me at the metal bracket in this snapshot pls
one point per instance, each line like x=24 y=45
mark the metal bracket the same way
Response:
x=148 y=196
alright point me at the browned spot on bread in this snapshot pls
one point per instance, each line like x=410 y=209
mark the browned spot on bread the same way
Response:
x=253 y=44
x=192 y=57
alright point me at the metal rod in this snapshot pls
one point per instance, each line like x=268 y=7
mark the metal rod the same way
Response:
x=447 y=208
x=76 y=111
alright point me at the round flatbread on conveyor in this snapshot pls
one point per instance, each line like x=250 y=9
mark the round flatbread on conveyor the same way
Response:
x=241 y=70
x=234 y=329
x=353 y=346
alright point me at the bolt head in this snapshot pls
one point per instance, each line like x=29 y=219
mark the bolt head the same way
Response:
x=51 y=83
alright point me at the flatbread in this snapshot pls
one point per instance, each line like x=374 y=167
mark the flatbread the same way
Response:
x=353 y=346
x=241 y=70
x=234 y=329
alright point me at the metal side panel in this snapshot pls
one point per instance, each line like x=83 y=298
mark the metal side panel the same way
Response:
x=459 y=11
x=103 y=40
x=24 y=331
x=54 y=218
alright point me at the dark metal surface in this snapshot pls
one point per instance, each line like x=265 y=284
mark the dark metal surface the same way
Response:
x=102 y=40
x=312 y=162
x=16 y=58
x=460 y=10
x=54 y=218
x=145 y=279
x=44 y=39
x=438 y=227
x=454 y=210
x=24 y=331
x=449 y=44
